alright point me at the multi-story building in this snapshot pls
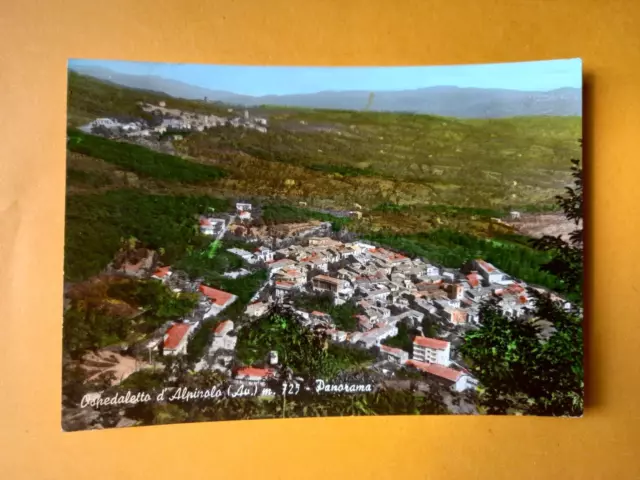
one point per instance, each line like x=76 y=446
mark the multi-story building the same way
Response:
x=431 y=350
x=395 y=355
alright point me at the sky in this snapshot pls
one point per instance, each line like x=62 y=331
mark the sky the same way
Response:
x=257 y=81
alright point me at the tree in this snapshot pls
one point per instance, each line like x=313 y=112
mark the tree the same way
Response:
x=534 y=365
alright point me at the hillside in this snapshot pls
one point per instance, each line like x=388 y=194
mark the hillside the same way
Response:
x=437 y=100
x=413 y=176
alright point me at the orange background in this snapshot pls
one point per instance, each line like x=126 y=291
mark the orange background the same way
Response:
x=37 y=39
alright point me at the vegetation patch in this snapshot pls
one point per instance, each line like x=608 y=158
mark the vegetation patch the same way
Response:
x=96 y=223
x=141 y=160
x=453 y=249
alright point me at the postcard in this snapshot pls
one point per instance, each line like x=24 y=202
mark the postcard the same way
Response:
x=280 y=242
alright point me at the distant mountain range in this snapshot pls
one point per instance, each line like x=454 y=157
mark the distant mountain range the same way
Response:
x=441 y=100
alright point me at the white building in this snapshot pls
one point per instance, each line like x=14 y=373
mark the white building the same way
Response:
x=431 y=350
x=280 y=264
x=265 y=254
x=176 y=338
x=218 y=300
x=211 y=226
x=395 y=355
x=243 y=210
x=376 y=335
x=456 y=379
x=488 y=272
x=223 y=328
x=244 y=254
x=256 y=309
x=431 y=271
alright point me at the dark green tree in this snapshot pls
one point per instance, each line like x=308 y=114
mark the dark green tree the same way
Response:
x=534 y=365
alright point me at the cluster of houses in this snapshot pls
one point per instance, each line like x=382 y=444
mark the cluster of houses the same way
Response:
x=174 y=121
x=387 y=287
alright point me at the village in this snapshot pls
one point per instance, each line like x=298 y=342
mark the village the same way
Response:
x=165 y=121
x=389 y=289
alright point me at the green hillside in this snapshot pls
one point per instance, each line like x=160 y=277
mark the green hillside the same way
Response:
x=415 y=176
x=89 y=98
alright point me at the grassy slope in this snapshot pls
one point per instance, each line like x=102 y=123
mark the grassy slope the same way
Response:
x=463 y=162
x=89 y=98
x=140 y=160
x=96 y=223
x=456 y=173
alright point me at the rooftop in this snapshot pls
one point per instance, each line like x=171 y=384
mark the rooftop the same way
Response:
x=437 y=370
x=162 y=272
x=218 y=297
x=222 y=326
x=175 y=334
x=431 y=343
x=254 y=372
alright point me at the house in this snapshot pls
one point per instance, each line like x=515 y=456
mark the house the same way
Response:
x=455 y=291
x=395 y=355
x=211 y=226
x=280 y=264
x=324 y=283
x=322 y=242
x=338 y=335
x=162 y=273
x=432 y=271
x=244 y=254
x=354 y=337
x=457 y=380
x=473 y=279
x=264 y=254
x=253 y=374
x=317 y=317
x=454 y=315
x=223 y=337
x=223 y=328
x=283 y=288
x=219 y=300
x=431 y=350
x=488 y=272
x=256 y=309
x=176 y=338
x=243 y=210
x=376 y=335
x=292 y=275
x=365 y=323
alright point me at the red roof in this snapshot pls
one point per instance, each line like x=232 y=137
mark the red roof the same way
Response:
x=218 y=297
x=487 y=266
x=254 y=372
x=315 y=312
x=437 y=370
x=386 y=348
x=162 y=272
x=523 y=299
x=473 y=279
x=431 y=343
x=205 y=222
x=175 y=334
x=222 y=326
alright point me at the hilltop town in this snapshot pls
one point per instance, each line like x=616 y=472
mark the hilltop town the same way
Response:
x=389 y=292
x=162 y=120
